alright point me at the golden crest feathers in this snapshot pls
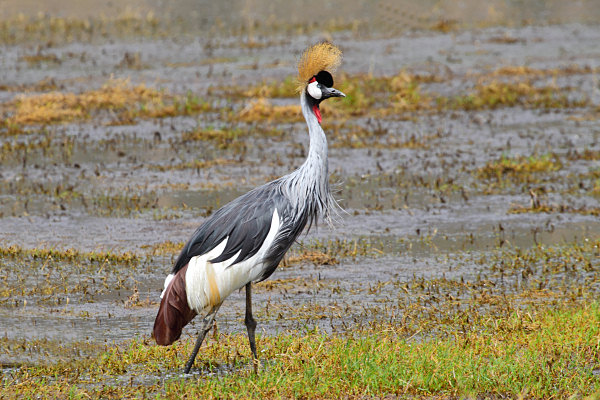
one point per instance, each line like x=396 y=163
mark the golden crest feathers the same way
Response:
x=320 y=57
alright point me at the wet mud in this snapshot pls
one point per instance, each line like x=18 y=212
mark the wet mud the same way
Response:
x=458 y=149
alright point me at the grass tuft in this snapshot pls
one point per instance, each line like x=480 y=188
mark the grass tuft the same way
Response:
x=263 y=110
x=519 y=169
x=526 y=94
x=118 y=99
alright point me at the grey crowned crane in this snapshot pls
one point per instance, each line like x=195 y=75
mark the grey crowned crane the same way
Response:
x=244 y=241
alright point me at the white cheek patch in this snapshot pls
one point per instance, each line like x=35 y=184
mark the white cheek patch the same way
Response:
x=314 y=91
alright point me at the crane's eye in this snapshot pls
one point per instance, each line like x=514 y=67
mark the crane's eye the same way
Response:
x=314 y=91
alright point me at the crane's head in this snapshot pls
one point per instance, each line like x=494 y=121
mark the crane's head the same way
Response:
x=314 y=77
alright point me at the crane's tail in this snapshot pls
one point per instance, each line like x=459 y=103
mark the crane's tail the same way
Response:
x=174 y=312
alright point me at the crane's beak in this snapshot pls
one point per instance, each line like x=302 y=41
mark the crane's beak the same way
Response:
x=331 y=92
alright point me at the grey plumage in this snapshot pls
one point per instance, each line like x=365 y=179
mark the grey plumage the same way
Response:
x=300 y=197
x=244 y=241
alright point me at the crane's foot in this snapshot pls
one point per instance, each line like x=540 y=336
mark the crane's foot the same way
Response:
x=255 y=362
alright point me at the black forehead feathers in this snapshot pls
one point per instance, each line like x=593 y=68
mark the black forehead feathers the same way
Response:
x=324 y=78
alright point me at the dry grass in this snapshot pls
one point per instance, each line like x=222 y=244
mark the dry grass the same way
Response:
x=232 y=138
x=523 y=70
x=357 y=137
x=518 y=169
x=164 y=248
x=195 y=164
x=45 y=28
x=403 y=96
x=365 y=94
x=72 y=255
x=527 y=94
x=121 y=102
x=63 y=107
x=554 y=209
x=314 y=257
x=263 y=110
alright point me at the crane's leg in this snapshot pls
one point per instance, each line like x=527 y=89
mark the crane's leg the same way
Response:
x=251 y=325
x=206 y=325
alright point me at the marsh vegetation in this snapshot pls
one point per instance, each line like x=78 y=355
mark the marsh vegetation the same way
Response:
x=466 y=155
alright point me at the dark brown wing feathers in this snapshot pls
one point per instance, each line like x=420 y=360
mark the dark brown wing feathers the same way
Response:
x=174 y=312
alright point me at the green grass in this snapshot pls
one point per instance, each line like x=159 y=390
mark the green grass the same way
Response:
x=549 y=354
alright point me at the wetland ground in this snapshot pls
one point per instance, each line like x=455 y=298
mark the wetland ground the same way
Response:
x=466 y=156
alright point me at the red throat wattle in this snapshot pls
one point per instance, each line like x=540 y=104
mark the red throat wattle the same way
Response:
x=317 y=112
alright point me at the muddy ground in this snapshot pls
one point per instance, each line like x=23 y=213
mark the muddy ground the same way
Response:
x=457 y=143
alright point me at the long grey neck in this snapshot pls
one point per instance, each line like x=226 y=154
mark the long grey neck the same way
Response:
x=317 y=163
x=308 y=186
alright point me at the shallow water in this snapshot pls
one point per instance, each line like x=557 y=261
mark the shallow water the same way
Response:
x=116 y=198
